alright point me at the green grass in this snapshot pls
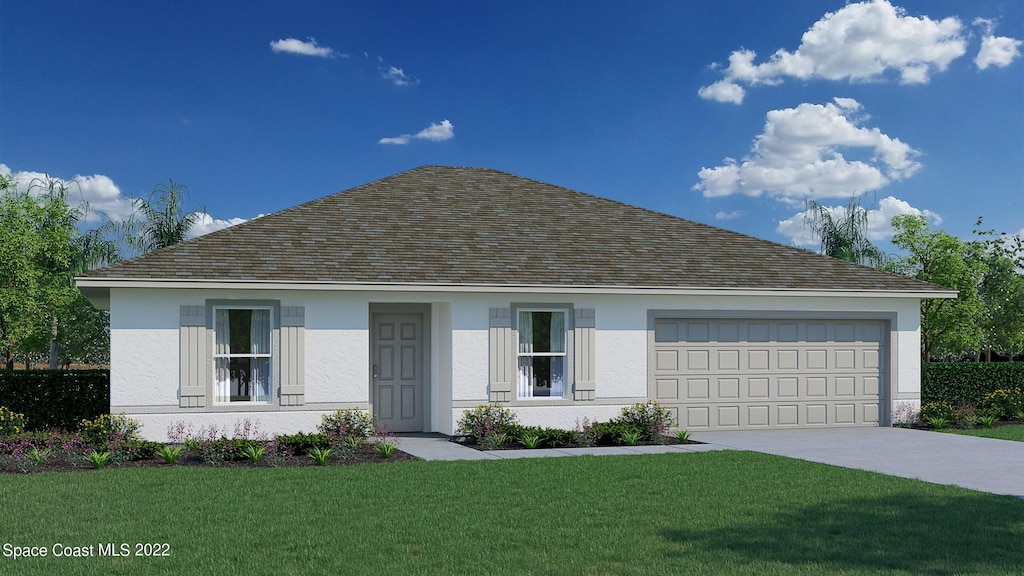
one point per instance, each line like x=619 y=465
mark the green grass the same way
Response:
x=1015 y=432
x=703 y=513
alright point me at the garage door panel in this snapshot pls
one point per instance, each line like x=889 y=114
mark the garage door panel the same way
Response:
x=728 y=360
x=667 y=360
x=667 y=389
x=770 y=373
x=698 y=389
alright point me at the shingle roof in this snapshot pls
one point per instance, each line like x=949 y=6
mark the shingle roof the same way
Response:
x=443 y=225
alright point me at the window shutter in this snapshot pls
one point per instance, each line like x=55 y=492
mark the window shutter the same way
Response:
x=293 y=355
x=501 y=356
x=583 y=354
x=193 y=372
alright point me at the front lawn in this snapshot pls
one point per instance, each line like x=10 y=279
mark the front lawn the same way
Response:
x=701 y=513
x=1012 y=432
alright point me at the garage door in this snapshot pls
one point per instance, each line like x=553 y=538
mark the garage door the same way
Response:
x=721 y=374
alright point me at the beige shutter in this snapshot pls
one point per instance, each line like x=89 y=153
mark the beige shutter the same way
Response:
x=585 y=326
x=193 y=372
x=293 y=355
x=501 y=357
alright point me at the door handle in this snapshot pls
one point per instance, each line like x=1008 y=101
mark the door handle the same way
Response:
x=376 y=371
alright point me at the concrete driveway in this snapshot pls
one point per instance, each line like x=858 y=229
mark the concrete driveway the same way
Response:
x=984 y=464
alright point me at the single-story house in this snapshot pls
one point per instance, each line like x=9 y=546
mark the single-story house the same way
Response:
x=439 y=289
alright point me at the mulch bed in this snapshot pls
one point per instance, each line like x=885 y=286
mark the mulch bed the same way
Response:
x=465 y=441
x=365 y=455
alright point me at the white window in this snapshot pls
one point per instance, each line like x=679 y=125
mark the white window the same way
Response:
x=241 y=355
x=542 y=355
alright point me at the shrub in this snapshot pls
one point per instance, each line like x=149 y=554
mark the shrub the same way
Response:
x=683 y=436
x=933 y=410
x=585 y=433
x=105 y=429
x=530 y=440
x=965 y=416
x=302 y=443
x=55 y=398
x=346 y=423
x=610 y=433
x=488 y=419
x=98 y=459
x=649 y=417
x=11 y=422
x=968 y=382
x=169 y=454
x=1004 y=403
x=905 y=415
x=320 y=456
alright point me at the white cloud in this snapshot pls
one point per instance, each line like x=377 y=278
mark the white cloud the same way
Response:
x=798 y=156
x=97 y=191
x=397 y=76
x=859 y=42
x=434 y=133
x=879 y=228
x=729 y=215
x=206 y=224
x=103 y=198
x=296 y=46
x=997 y=51
x=723 y=91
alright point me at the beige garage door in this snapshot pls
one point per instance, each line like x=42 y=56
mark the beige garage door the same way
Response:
x=721 y=374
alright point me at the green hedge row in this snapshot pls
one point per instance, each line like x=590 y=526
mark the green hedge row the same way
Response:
x=967 y=382
x=56 y=398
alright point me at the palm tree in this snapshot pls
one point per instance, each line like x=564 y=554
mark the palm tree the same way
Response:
x=844 y=236
x=163 y=221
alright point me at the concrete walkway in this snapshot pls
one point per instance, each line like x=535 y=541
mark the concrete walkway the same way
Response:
x=983 y=464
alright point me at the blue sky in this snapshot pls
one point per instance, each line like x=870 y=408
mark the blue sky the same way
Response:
x=731 y=113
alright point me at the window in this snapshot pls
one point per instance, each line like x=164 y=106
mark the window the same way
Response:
x=542 y=353
x=242 y=355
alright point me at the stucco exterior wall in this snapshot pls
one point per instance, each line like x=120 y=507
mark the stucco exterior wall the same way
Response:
x=145 y=356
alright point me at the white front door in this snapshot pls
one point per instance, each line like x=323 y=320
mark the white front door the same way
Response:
x=397 y=386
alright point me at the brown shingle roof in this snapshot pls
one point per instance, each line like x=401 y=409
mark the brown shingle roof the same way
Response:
x=442 y=225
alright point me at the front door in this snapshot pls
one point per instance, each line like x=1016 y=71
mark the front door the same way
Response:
x=397 y=386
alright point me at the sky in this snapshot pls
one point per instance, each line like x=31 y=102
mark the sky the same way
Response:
x=727 y=112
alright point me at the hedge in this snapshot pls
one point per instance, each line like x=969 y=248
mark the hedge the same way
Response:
x=959 y=383
x=56 y=398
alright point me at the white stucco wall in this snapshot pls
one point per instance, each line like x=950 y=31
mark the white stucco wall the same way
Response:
x=145 y=358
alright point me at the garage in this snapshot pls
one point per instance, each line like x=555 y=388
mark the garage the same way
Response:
x=723 y=373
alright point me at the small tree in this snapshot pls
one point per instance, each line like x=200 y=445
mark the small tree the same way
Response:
x=844 y=236
x=948 y=327
x=160 y=221
x=1002 y=292
x=36 y=235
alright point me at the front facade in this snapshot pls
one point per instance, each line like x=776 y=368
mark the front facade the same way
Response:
x=467 y=311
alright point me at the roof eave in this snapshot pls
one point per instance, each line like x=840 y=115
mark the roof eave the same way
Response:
x=98 y=289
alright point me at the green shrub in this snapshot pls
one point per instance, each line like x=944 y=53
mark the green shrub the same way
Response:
x=933 y=410
x=651 y=418
x=488 y=419
x=11 y=422
x=1004 y=403
x=302 y=443
x=611 y=433
x=547 y=437
x=345 y=423
x=959 y=383
x=55 y=398
x=106 y=429
x=530 y=440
